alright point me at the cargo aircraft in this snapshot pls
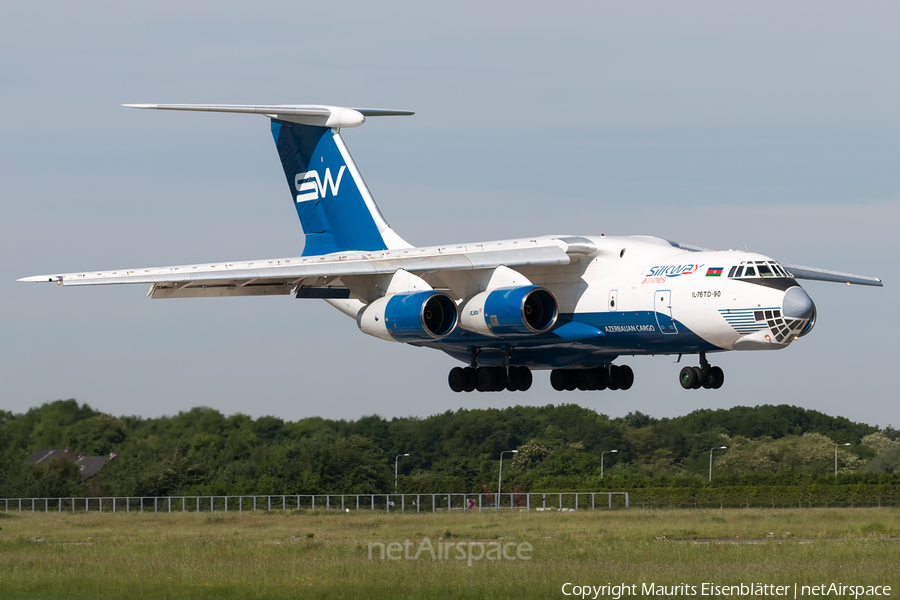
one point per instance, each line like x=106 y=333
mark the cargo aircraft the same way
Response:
x=571 y=304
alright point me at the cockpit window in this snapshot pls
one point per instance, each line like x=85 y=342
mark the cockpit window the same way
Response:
x=758 y=268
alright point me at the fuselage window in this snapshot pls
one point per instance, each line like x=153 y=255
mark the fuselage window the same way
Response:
x=740 y=271
x=751 y=272
x=731 y=272
x=765 y=271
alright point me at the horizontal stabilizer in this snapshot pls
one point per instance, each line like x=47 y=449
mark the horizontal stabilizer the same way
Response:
x=321 y=115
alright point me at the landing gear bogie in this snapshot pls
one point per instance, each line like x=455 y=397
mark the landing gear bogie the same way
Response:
x=705 y=376
x=613 y=377
x=489 y=379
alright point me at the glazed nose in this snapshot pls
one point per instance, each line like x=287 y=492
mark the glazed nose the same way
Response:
x=797 y=304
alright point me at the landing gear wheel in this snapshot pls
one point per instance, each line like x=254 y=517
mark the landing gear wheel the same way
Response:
x=519 y=379
x=701 y=377
x=471 y=379
x=571 y=378
x=564 y=379
x=525 y=379
x=558 y=380
x=687 y=378
x=484 y=379
x=627 y=377
x=589 y=380
x=512 y=380
x=615 y=377
x=706 y=379
x=500 y=379
x=716 y=377
x=602 y=377
x=457 y=379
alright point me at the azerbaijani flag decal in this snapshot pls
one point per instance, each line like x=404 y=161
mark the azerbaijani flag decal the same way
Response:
x=714 y=272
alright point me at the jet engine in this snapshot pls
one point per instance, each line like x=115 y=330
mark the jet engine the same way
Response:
x=510 y=311
x=410 y=317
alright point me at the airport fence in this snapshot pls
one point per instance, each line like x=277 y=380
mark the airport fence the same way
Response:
x=418 y=503
x=430 y=503
x=656 y=501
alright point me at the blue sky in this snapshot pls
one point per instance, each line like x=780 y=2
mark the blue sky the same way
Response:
x=773 y=126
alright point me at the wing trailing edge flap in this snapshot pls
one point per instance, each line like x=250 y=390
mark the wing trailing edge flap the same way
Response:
x=311 y=287
x=219 y=289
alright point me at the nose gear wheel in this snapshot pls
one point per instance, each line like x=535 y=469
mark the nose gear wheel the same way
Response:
x=705 y=376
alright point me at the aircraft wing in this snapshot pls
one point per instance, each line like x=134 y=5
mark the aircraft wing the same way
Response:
x=317 y=276
x=801 y=272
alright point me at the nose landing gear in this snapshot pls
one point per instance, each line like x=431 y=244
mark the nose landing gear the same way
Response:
x=705 y=376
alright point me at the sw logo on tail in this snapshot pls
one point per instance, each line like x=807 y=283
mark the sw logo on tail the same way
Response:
x=310 y=187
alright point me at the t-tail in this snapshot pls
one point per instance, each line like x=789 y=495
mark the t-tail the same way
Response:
x=336 y=209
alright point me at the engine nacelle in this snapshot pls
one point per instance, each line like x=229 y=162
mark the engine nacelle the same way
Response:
x=510 y=311
x=410 y=317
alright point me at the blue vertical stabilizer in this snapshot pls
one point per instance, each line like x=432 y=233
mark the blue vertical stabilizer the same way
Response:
x=334 y=206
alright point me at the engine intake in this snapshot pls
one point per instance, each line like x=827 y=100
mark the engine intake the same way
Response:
x=511 y=311
x=412 y=317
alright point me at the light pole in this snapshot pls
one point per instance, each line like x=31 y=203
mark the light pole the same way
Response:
x=396 y=473
x=710 y=458
x=500 y=479
x=601 y=461
x=835 y=457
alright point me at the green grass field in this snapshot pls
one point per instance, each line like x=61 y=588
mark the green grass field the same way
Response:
x=326 y=555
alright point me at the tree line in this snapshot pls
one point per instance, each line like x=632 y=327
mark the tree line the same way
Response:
x=203 y=452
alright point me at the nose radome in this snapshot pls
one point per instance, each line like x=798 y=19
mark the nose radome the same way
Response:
x=797 y=304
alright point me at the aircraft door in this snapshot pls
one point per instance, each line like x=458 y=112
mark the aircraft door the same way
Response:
x=662 y=304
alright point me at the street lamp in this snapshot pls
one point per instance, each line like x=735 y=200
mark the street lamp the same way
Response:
x=601 y=461
x=835 y=457
x=500 y=479
x=396 y=473
x=710 y=458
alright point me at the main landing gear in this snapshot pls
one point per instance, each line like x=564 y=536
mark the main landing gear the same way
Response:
x=613 y=377
x=490 y=379
x=704 y=376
